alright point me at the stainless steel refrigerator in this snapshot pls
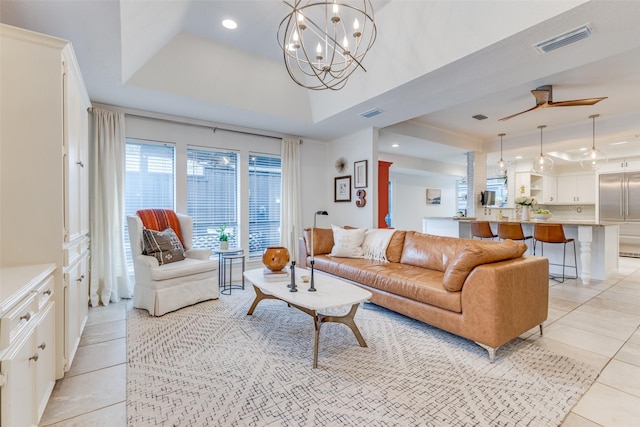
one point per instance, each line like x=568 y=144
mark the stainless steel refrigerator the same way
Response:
x=620 y=197
x=620 y=203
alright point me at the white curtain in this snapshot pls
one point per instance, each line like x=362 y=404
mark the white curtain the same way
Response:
x=109 y=276
x=290 y=206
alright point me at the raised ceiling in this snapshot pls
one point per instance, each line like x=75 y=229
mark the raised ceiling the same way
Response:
x=435 y=65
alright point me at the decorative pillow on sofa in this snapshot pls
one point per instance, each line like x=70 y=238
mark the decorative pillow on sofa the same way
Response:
x=322 y=240
x=475 y=253
x=164 y=245
x=348 y=243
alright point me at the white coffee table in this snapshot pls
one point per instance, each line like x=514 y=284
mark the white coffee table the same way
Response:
x=331 y=292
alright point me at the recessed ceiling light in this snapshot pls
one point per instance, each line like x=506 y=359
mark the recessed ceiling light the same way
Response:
x=229 y=24
x=583 y=149
x=619 y=142
x=518 y=157
x=395 y=145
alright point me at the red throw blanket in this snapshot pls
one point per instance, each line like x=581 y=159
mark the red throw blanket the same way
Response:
x=160 y=220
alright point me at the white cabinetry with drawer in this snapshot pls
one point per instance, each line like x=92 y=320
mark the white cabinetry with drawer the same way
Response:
x=45 y=220
x=27 y=343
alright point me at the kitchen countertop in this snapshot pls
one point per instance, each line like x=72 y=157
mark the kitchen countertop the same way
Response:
x=550 y=221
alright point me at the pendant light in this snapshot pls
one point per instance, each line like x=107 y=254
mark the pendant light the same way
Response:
x=542 y=164
x=502 y=166
x=593 y=158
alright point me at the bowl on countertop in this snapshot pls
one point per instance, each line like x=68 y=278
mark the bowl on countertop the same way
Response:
x=542 y=217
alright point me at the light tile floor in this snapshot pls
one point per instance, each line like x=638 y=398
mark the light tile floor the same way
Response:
x=597 y=324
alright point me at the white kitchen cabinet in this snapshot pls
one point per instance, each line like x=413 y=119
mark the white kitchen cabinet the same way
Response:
x=542 y=187
x=44 y=172
x=621 y=165
x=577 y=189
x=27 y=343
x=528 y=184
x=549 y=190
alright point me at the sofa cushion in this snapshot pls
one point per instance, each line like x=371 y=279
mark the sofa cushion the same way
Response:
x=428 y=251
x=322 y=240
x=474 y=253
x=416 y=283
x=164 y=245
x=394 y=250
x=186 y=267
x=347 y=243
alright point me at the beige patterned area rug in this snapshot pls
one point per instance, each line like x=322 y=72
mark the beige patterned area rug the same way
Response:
x=212 y=365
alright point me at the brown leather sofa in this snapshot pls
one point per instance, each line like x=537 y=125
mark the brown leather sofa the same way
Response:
x=484 y=291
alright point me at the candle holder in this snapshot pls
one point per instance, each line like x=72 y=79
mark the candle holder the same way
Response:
x=313 y=232
x=293 y=278
x=312 y=288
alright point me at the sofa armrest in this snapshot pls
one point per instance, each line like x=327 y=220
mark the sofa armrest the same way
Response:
x=302 y=253
x=199 y=253
x=502 y=300
x=146 y=261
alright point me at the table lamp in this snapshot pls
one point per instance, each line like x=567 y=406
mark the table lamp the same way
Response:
x=313 y=232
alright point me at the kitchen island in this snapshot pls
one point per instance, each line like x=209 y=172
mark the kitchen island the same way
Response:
x=596 y=244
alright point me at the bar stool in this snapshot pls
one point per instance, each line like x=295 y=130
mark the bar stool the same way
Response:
x=554 y=233
x=226 y=290
x=512 y=230
x=482 y=229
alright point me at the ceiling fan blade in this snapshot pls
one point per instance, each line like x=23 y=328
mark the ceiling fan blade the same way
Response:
x=522 y=112
x=576 y=102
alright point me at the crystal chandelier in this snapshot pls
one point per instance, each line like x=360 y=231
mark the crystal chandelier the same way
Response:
x=324 y=42
x=542 y=163
x=593 y=158
x=502 y=166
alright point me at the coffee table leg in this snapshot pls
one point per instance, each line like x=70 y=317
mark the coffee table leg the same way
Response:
x=259 y=297
x=347 y=319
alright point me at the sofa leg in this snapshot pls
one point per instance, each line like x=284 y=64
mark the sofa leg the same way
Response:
x=490 y=350
x=541 y=328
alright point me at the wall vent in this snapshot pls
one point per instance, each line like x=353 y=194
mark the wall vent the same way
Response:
x=563 y=39
x=371 y=113
x=479 y=117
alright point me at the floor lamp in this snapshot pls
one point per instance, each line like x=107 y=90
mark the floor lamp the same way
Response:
x=312 y=288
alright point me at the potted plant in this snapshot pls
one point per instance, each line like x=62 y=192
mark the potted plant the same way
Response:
x=223 y=235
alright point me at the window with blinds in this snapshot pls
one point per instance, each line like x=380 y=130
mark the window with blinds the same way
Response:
x=265 y=181
x=212 y=195
x=149 y=181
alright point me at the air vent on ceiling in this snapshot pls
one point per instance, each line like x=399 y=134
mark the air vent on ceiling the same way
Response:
x=563 y=39
x=371 y=113
x=479 y=117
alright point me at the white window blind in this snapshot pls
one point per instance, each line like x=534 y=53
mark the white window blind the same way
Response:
x=149 y=181
x=265 y=185
x=212 y=195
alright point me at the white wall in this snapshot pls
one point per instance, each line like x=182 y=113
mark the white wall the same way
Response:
x=409 y=200
x=356 y=147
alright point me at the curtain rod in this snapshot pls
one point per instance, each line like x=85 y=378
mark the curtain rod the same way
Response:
x=194 y=122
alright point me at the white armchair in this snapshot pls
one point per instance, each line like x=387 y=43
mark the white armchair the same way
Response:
x=160 y=289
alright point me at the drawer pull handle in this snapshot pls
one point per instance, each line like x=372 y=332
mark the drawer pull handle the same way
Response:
x=42 y=346
x=47 y=292
x=79 y=163
x=26 y=317
x=34 y=357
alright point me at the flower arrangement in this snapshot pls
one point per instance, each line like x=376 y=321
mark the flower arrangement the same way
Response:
x=223 y=234
x=526 y=201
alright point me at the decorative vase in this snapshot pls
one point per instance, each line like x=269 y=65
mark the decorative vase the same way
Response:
x=526 y=213
x=275 y=257
x=224 y=245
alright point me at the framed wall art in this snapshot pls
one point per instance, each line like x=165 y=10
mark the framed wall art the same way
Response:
x=433 y=196
x=342 y=189
x=360 y=174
